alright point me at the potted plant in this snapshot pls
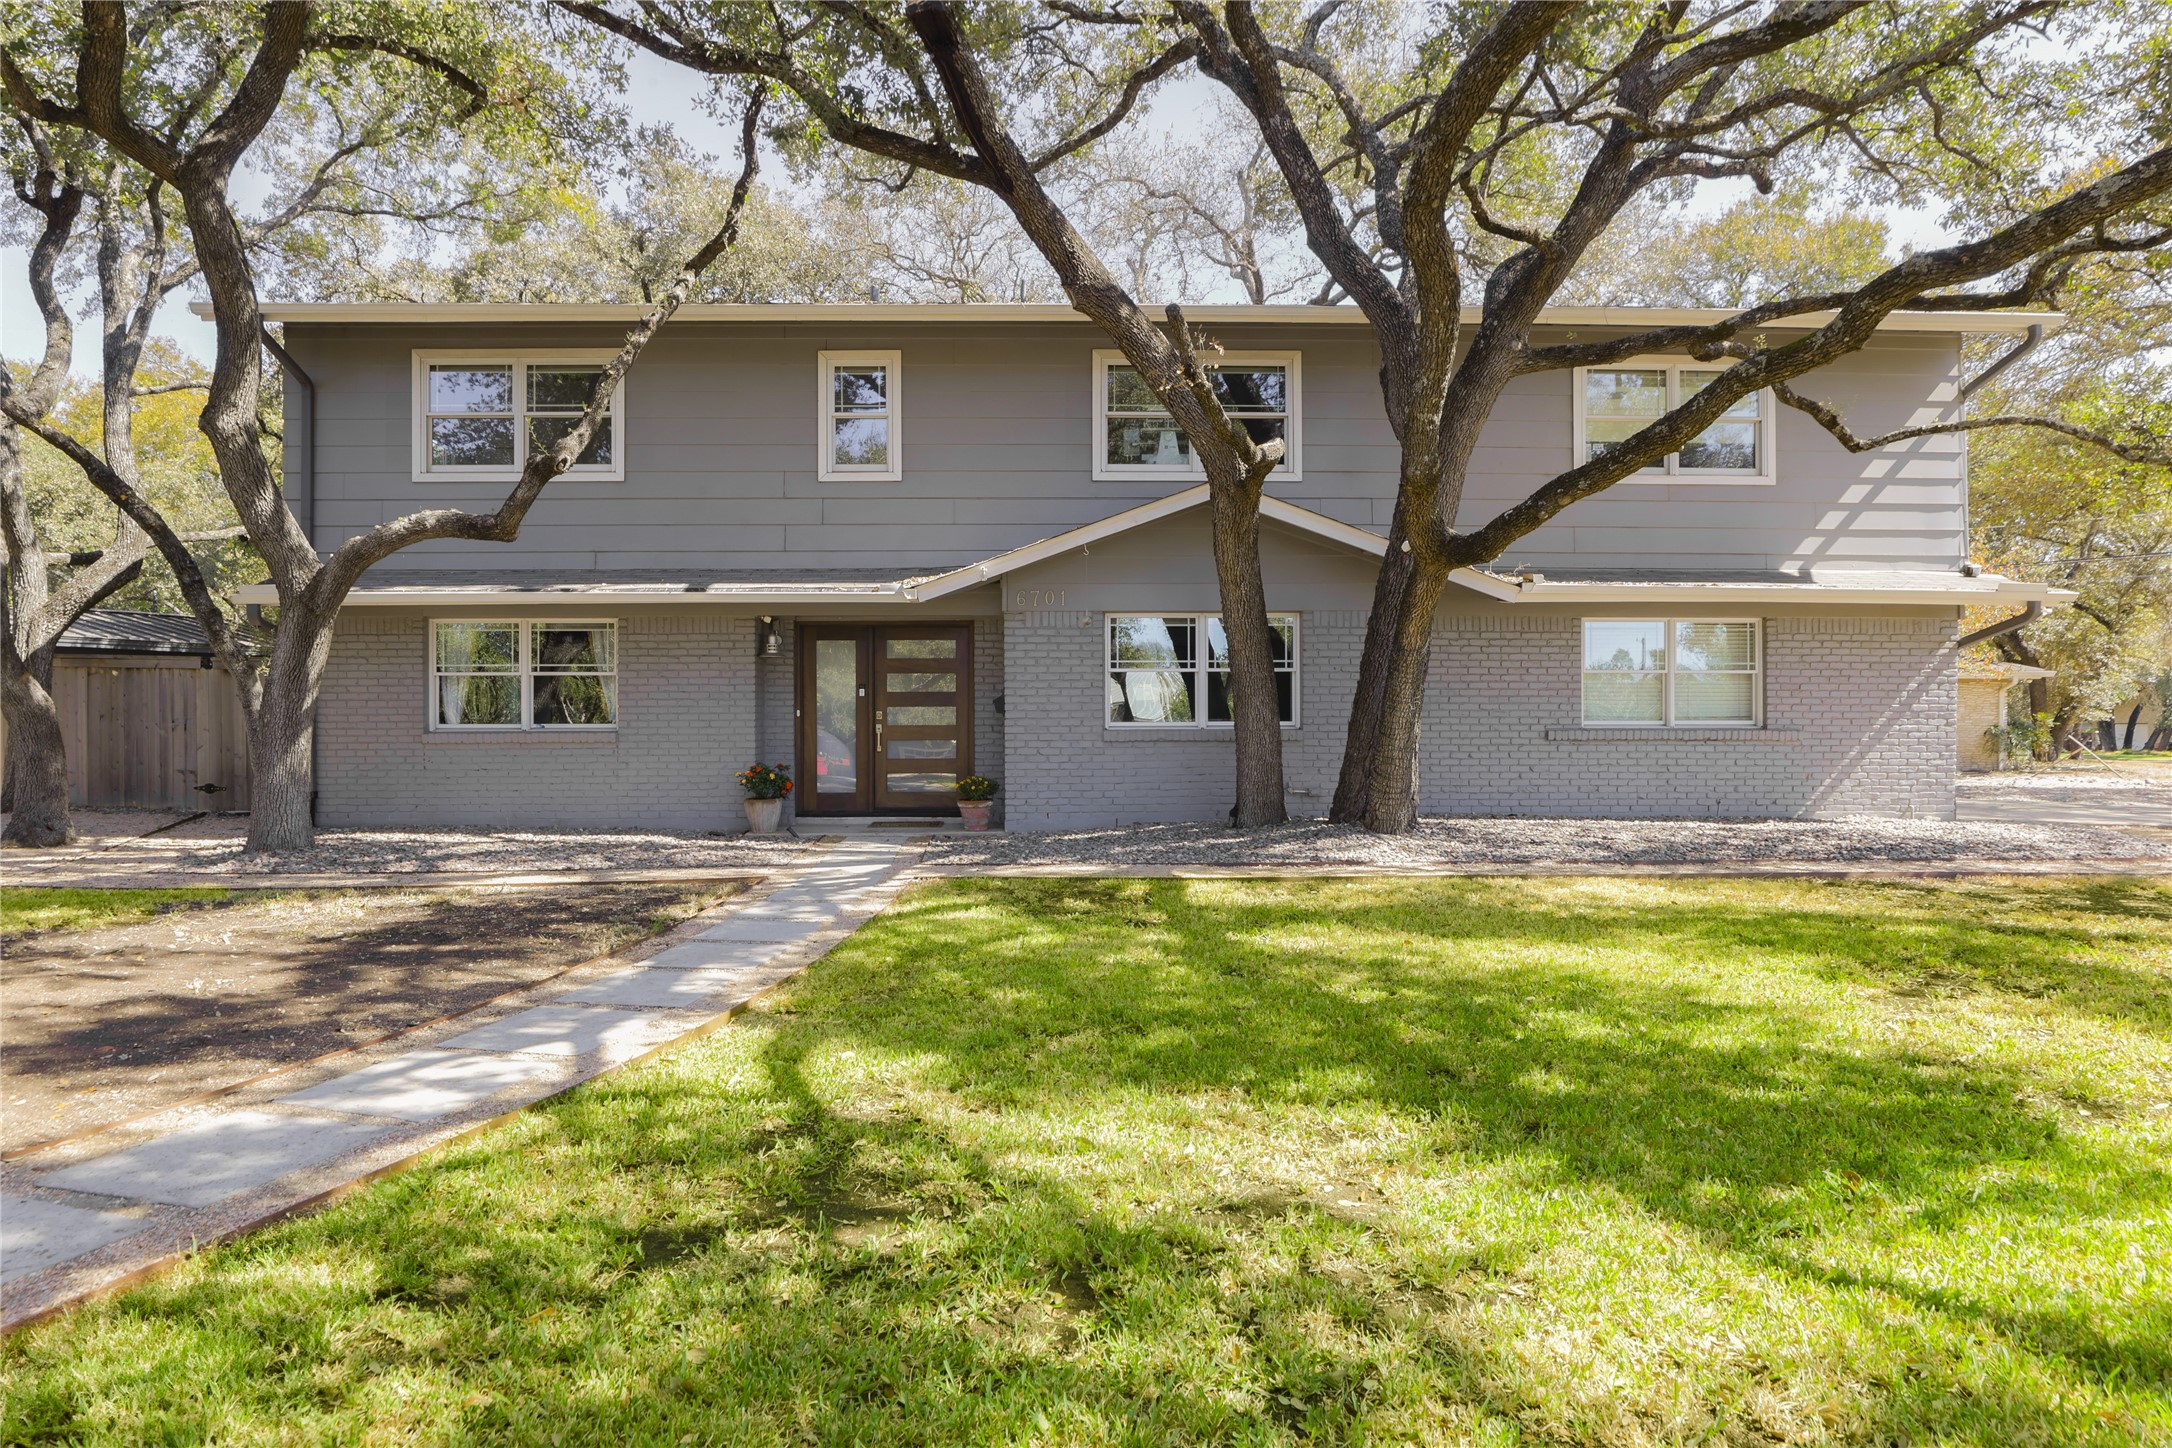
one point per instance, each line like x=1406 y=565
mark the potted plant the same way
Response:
x=766 y=786
x=976 y=800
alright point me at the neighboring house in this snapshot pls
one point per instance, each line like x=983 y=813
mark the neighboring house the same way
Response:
x=889 y=545
x=1983 y=709
x=149 y=722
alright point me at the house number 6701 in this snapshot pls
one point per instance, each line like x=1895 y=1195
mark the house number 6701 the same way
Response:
x=1040 y=598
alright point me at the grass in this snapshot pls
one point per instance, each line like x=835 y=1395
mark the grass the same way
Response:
x=1479 y=1161
x=34 y=910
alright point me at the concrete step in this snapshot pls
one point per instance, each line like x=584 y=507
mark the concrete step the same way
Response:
x=883 y=826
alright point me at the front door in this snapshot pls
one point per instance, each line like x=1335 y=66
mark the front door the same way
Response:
x=885 y=717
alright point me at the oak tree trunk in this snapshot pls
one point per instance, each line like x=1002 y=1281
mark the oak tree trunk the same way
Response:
x=281 y=727
x=1354 y=786
x=1392 y=790
x=1255 y=712
x=37 y=756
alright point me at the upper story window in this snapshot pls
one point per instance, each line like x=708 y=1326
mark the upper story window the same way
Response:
x=1699 y=672
x=513 y=674
x=1134 y=436
x=860 y=422
x=1615 y=403
x=1174 y=669
x=482 y=415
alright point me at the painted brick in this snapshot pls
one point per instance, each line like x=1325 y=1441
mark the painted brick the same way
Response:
x=687 y=724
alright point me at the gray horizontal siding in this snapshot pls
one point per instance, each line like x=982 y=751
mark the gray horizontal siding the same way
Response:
x=720 y=449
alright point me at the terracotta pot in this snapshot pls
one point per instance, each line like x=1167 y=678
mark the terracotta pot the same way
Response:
x=975 y=813
x=765 y=816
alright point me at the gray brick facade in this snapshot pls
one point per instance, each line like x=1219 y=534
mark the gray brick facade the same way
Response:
x=687 y=724
x=1858 y=720
x=1859 y=712
x=1066 y=768
x=698 y=702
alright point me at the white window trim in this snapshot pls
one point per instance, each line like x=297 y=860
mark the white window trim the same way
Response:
x=1667 y=719
x=1669 y=470
x=1290 y=469
x=827 y=470
x=527 y=628
x=1108 y=659
x=419 y=416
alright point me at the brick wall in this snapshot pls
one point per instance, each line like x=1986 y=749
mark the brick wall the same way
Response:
x=1859 y=716
x=1859 y=719
x=687 y=724
x=1066 y=768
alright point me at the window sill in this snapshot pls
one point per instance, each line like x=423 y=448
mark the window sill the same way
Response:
x=1106 y=474
x=1704 y=480
x=501 y=478
x=525 y=738
x=1675 y=734
x=1185 y=733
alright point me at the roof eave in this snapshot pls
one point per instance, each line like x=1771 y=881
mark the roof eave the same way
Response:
x=857 y=313
x=1988 y=588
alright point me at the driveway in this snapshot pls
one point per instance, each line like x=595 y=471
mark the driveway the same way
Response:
x=2135 y=798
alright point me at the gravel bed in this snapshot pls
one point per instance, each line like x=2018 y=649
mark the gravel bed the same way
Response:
x=1451 y=842
x=393 y=852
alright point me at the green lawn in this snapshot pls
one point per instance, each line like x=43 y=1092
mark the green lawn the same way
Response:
x=24 y=911
x=1480 y=1161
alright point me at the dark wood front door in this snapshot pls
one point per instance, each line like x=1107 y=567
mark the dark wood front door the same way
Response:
x=885 y=717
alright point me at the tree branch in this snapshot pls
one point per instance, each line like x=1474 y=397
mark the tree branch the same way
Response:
x=1829 y=418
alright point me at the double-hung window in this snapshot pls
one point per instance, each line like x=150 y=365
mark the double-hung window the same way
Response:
x=1173 y=669
x=1613 y=404
x=523 y=674
x=1135 y=437
x=859 y=418
x=481 y=416
x=1696 y=672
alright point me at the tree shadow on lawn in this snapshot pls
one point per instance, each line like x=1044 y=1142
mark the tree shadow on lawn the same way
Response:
x=713 y=1245
x=1750 y=1123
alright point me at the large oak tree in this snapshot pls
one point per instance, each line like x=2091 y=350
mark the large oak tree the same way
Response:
x=1000 y=99
x=1502 y=142
x=183 y=94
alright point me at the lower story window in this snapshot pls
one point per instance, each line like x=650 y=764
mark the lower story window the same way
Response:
x=1173 y=669
x=1672 y=671
x=531 y=674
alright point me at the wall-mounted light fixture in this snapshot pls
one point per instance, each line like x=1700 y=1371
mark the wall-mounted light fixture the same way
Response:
x=772 y=641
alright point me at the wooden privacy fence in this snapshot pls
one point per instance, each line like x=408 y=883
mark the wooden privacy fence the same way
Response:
x=150 y=732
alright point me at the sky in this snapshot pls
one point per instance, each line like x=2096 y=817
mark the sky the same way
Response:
x=658 y=91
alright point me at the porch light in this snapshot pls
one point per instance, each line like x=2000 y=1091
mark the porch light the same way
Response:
x=772 y=641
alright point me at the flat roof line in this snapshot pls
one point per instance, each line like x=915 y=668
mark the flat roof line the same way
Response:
x=888 y=313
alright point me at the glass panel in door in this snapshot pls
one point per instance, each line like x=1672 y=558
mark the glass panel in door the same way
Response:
x=923 y=707
x=833 y=743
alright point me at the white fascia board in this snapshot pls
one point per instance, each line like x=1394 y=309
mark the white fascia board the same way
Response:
x=1275 y=509
x=1964 y=591
x=264 y=593
x=975 y=574
x=848 y=313
x=1350 y=535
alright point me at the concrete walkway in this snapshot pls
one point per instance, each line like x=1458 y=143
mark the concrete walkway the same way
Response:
x=2108 y=807
x=84 y=1217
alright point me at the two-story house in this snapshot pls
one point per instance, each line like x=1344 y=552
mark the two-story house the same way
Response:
x=891 y=545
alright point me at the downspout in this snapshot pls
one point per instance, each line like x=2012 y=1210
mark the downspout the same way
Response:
x=308 y=512
x=2021 y=620
x=306 y=515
